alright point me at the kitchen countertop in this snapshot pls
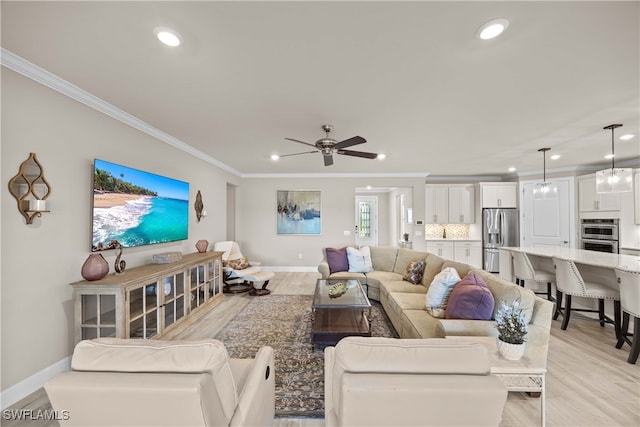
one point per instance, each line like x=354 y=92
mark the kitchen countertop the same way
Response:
x=581 y=256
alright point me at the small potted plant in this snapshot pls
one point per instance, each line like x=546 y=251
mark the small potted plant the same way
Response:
x=512 y=329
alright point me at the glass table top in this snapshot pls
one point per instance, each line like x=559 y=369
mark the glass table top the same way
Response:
x=354 y=297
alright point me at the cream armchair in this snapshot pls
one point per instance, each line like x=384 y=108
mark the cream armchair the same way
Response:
x=410 y=382
x=240 y=274
x=117 y=382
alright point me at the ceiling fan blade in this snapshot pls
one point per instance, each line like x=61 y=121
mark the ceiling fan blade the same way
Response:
x=349 y=142
x=328 y=160
x=295 y=154
x=358 y=154
x=301 y=142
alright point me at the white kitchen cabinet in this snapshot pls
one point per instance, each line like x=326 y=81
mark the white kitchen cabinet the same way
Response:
x=462 y=207
x=436 y=204
x=444 y=249
x=450 y=204
x=499 y=195
x=465 y=251
x=468 y=253
x=591 y=201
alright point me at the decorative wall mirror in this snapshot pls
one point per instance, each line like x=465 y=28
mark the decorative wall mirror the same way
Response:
x=30 y=189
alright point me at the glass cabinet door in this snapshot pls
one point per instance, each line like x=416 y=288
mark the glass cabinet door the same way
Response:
x=174 y=298
x=144 y=309
x=98 y=316
x=198 y=285
x=214 y=276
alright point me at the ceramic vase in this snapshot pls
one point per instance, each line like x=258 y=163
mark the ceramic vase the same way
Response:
x=202 y=245
x=510 y=351
x=95 y=267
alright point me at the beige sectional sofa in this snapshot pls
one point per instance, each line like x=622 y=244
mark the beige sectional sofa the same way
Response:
x=405 y=305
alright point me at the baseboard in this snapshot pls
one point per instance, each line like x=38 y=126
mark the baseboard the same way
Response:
x=31 y=384
x=302 y=269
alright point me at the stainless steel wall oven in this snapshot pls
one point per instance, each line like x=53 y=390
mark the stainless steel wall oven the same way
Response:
x=599 y=235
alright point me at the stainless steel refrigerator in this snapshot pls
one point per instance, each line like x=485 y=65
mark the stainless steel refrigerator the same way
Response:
x=499 y=229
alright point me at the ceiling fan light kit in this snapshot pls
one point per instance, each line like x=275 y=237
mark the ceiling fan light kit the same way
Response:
x=329 y=146
x=614 y=180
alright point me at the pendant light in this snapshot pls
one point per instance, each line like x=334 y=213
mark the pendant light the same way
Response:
x=545 y=190
x=613 y=180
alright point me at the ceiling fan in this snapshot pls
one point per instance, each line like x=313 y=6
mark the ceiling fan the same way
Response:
x=329 y=146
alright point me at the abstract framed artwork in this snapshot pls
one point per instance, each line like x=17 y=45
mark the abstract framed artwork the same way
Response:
x=298 y=212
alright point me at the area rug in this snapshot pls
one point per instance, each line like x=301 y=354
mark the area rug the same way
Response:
x=284 y=323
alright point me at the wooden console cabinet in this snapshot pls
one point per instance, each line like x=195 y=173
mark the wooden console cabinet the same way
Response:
x=151 y=301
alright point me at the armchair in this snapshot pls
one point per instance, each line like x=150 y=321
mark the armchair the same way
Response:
x=425 y=382
x=118 y=382
x=240 y=274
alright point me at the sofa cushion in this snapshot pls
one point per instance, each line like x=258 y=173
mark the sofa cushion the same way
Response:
x=405 y=256
x=383 y=258
x=508 y=292
x=374 y=278
x=343 y=275
x=337 y=259
x=470 y=299
x=402 y=286
x=439 y=290
x=359 y=259
x=418 y=324
x=433 y=266
x=414 y=272
x=460 y=267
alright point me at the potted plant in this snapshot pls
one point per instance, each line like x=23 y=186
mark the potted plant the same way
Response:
x=512 y=329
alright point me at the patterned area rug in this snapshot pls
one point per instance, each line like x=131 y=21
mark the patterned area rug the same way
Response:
x=284 y=323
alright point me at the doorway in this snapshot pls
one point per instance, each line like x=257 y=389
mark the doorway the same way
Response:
x=366 y=230
x=548 y=222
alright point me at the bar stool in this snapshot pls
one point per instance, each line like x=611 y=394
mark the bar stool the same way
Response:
x=524 y=271
x=570 y=282
x=630 y=301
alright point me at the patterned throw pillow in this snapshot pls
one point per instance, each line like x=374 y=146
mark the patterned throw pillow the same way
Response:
x=415 y=270
x=237 y=264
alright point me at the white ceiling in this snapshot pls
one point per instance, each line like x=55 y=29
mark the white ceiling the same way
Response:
x=410 y=77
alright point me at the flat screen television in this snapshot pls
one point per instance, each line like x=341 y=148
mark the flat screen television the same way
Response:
x=136 y=208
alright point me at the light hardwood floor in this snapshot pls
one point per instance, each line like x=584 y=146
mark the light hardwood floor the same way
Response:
x=589 y=382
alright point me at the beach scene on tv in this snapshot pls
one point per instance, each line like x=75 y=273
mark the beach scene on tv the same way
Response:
x=135 y=208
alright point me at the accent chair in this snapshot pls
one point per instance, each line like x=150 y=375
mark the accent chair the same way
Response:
x=118 y=382
x=410 y=382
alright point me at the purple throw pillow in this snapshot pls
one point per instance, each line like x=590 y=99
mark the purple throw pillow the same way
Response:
x=470 y=299
x=337 y=259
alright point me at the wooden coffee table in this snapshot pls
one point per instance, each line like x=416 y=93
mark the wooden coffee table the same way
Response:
x=336 y=318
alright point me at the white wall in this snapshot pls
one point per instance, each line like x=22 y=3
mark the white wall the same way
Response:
x=40 y=260
x=257 y=217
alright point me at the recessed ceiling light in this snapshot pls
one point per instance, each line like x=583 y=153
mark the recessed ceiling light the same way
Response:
x=492 y=29
x=368 y=187
x=627 y=136
x=512 y=169
x=381 y=156
x=274 y=157
x=555 y=157
x=609 y=156
x=167 y=36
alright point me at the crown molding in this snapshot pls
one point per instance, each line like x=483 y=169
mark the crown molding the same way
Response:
x=21 y=66
x=334 y=175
